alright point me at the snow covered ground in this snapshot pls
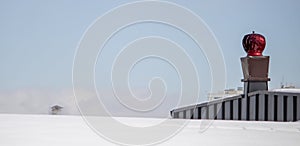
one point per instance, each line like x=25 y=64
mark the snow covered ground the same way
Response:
x=44 y=130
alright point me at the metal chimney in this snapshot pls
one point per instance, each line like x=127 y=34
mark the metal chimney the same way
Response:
x=255 y=66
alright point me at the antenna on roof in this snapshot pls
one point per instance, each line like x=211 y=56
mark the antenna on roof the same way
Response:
x=282 y=82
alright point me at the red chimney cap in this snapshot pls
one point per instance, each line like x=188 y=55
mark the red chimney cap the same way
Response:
x=254 y=44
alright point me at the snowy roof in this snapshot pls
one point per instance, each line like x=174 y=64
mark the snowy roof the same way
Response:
x=290 y=90
x=36 y=130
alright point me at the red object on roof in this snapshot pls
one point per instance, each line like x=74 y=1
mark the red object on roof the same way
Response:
x=254 y=44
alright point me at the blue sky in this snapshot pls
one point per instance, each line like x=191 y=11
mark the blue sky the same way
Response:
x=38 y=41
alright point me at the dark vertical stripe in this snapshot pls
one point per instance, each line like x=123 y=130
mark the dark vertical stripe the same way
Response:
x=192 y=113
x=247 y=108
x=256 y=107
x=199 y=112
x=285 y=98
x=215 y=111
x=266 y=107
x=275 y=107
x=239 y=108
x=223 y=110
x=294 y=108
x=207 y=112
x=231 y=110
x=184 y=114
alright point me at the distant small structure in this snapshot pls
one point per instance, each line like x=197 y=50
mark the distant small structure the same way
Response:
x=55 y=109
x=225 y=93
x=287 y=86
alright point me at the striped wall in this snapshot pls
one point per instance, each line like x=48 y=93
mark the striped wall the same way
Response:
x=258 y=106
